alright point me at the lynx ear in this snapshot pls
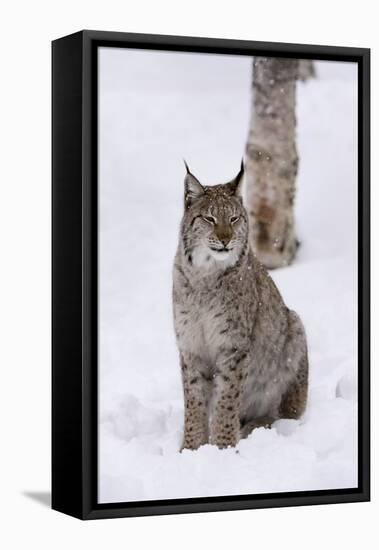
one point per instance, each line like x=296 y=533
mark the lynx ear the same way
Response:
x=236 y=184
x=192 y=188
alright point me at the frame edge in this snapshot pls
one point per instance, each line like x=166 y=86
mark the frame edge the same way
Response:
x=67 y=385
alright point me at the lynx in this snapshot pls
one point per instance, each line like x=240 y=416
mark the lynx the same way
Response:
x=243 y=353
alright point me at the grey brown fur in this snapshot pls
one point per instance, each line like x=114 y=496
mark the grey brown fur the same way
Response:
x=243 y=353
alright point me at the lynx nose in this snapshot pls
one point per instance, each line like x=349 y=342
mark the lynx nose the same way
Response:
x=225 y=241
x=224 y=235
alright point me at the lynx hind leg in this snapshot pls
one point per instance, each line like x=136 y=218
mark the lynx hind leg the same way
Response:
x=250 y=425
x=296 y=357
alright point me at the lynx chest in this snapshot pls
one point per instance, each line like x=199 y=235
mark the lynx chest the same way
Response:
x=200 y=321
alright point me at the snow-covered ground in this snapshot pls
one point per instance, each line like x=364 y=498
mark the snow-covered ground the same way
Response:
x=155 y=109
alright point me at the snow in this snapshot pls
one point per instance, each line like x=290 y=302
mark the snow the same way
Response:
x=156 y=108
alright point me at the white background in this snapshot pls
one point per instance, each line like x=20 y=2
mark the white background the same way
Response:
x=27 y=28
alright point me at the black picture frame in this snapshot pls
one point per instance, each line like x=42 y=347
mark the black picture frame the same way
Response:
x=74 y=273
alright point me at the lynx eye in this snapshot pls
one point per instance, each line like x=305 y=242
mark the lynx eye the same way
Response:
x=234 y=219
x=209 y=219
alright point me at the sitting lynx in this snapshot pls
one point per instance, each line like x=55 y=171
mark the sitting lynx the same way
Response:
x=243 y=353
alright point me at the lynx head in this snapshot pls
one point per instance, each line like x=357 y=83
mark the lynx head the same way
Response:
x=214 y=225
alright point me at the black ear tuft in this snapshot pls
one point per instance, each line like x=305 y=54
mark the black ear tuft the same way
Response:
x=236 y=184
x=186 y=165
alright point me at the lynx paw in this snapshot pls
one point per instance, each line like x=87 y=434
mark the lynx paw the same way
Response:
x=193 y=443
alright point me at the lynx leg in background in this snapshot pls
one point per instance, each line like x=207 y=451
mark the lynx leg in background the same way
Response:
x=295 y=399
x=250 y=425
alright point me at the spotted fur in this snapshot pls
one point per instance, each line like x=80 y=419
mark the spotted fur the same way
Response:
x=243 y=353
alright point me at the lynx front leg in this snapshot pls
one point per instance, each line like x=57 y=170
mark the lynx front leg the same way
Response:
x=225 y=421
x=196 y=400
